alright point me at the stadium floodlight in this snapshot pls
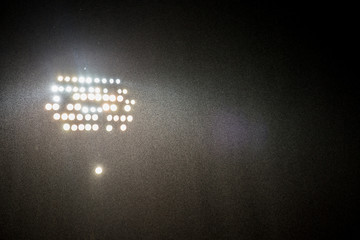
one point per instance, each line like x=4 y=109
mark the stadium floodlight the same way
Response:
x=98 y=170
x=84 y=103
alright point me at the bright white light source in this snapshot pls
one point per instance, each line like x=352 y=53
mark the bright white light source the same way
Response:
x=70 y=107
x=113 y=107
x=120 y=98
x=67 y=79
x=109 y=128
x=71 y=117
x=54 y=88
x=56 y=106
x=68 y=89
x=56 y=116
x=112 y=98
x=88 y=80
x=103 y=80
x=82 y=89
x=87 y=127
x=60 y=78
x=64 y=116
x=119 y=91
x=125 y=91
x=99 y=109
x=127 y=101
x=117 y=81
x=116 y=118
x=61 y=89
x=96 y=80
x=85 y=109
x=48 y=106
x=98 y=170
x=91 y=89
x=91 y=96
x=95 y=127
x=74 y=127
x=132 y=102
x=81 y=127
x=81 y=80
x=83 y=96
x=106 y=107
x=109 y=117
x=79 y=117
x=76 y=96
x=111 y=81
x=77 y=106
x=127 y=108
x=123 y=127
x=106 y=97
x=95 y=117
x=105 y=90
x=92 y=109
x=74 y=79
x=123 y=118
x=87 y=117
x=75 y=89
x=97 y=90
x=66 y=127
x=129 y=118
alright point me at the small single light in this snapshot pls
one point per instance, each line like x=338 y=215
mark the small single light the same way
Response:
x=82 y=89
x=55 y=106
x=88 y=80
x=106 y=97
x=71 y=117
x=74 y=79
x=91 y=89
x=67 y=79
x=64 y=116
x=95 y=117
x=105 y=90
x=81 y=80
x=66 y=127
x=117 y=81
x=120 y=98
x=129 y=118
x=68 y=89
x=132 y=102
x=109 y=117
x=119 y=91
x=125 y=91
x=56 y=116
x=116 y=118
x=112 y=98
x=106 y=107
x=91 y=96
x=103 y=80
x=99 y=109
x=74 y=127
x=127 y=101
x=98 y=97
x=87 y=127
x=77 y=106
x=123 y=127
x=92 y=109
x=97 y=90
x=48 y=106
x=60 y=78
x=81 y=127
x=111 y=81
x=127 y=108
x=96 y=80
x=83 y=96
x=70 y=107
x=95 y=127
x=76 y=96
x=85 y=109
x=79 y=117
x=75 y=89
x=109 y=128
x=61 y=89
x=54 y=88
x=87 y=117
x=113 y=107
x=98 y=170
x=123 y=118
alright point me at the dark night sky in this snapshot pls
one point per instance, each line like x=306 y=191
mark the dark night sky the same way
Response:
x=240 y=129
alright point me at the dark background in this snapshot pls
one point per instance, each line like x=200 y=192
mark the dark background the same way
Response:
x=243 y=128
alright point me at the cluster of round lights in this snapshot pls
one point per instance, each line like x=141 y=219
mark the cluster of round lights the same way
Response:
x=84 y=91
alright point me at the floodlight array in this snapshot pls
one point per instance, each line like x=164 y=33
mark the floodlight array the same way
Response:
x=87 y=104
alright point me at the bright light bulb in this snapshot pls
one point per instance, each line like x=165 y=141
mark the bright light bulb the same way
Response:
x=74 y=127
x=125 y=91
x=56 y=106
x=68 y=89
x=109 y=128
x=109 y=118
x=123 y=118
x=127 y=101
x=56 y=116
x=95 y=117
x=119 y=91
x=111 y=81
x=91 y=96
x=106 y=107
x=98 y=97
x=103 y=80
x=70 y=107
x=87 y=127
x=88 y=80
x=48 y=106
x=113 y=107
x=116 y=118
x=123 y=127
x=120 y=98
x=132 y=102
x=77 y=106
x=106 y=97
x=74 y=79
x=105 y=90
x=129 y=118
x=85 y=109
x=81 y=127
x=96 y=80
x=81 y=80
x=127 y=108
x=83 y=96
x=71 y=117
x=98 y=170
x=87 y=117
x=61 y=89
x=91 y=89
x=79 y=117
x=60 y=78
x=97 y=90
x=82 y=89
x=66 y=127
x=92 y=109
x=117 y=81
x=75 y=89
x=64 y=116
x=112 y=98
x=67 y=79
x=99 y=109
x=54 y=88
x=76 y=96
x=95 y=127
